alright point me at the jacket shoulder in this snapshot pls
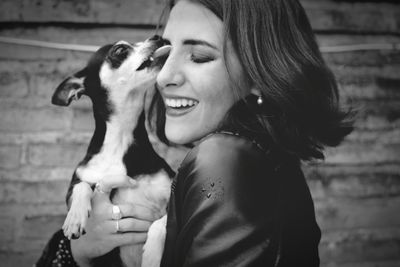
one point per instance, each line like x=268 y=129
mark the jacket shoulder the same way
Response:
x=222 y=147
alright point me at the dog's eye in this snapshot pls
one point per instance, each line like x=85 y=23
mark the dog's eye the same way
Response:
x=120 y=50
x=118 y=54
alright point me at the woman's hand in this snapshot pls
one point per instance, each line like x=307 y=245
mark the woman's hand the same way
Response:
x=101 y=231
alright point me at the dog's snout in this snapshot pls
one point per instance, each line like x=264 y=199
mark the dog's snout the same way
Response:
x=155 y=38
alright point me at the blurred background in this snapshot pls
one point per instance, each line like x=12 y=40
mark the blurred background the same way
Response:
x=356 y=189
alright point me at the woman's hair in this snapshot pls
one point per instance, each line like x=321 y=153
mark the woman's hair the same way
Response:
x=274 y=41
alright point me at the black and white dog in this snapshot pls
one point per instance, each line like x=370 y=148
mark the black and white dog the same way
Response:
x=116 y=79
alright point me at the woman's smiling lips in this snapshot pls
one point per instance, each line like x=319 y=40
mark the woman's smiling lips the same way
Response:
x=178 y=105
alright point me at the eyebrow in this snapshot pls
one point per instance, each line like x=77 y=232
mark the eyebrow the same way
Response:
x=199 y=42
x=195 y=42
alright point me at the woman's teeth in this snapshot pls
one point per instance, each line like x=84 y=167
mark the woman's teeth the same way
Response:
x=180 y=103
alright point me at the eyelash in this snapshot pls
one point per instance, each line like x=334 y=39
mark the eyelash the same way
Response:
x=200 y=59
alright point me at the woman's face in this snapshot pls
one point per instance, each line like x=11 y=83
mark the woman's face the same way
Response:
x=194 y=81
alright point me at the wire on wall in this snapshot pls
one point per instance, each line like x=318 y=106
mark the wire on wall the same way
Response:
x=92 y=48
x=60 y=46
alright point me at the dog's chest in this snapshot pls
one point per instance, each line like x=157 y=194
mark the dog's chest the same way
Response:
x=109 y=161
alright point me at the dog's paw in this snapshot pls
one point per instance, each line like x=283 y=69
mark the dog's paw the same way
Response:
x=75 y=223
x=154 y=246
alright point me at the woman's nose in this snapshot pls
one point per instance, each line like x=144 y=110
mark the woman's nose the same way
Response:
x=170 y=74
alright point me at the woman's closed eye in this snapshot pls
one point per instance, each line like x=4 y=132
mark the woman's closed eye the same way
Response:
x=201 y=57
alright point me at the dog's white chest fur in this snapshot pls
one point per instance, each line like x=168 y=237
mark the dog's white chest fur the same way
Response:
x=109 y=161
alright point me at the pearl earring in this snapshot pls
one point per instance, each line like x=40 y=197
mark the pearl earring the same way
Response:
x=257 y=93
x=260 y=100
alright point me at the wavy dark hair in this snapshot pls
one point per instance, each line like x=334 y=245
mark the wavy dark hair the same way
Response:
x=280 y=56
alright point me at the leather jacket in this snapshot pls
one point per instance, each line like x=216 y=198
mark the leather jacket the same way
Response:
x=235 y=203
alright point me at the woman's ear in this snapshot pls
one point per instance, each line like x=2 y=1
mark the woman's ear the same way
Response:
x=255 y=91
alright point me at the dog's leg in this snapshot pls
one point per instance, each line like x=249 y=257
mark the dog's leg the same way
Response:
x=154 y=247
x=78 y=213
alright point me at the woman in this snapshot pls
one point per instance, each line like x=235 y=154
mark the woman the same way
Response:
x=245 y=85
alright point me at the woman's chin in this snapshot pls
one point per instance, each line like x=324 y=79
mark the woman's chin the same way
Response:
x=178 y=139
x=180 y=135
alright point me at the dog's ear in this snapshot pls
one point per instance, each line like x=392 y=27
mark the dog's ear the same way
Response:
x=70 y=89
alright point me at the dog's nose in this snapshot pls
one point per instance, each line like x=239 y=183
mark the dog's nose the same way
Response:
x=155 y=38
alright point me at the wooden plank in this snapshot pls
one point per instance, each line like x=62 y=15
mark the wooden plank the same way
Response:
x=82 y=11
x=324 y=15
x=372 y=244
x=341 y=213
x=93 y=37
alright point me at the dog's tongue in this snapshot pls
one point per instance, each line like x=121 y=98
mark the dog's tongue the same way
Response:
x=162 y=51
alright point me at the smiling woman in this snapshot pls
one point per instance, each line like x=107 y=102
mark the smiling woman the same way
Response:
x=195 y=74
x=261 y=99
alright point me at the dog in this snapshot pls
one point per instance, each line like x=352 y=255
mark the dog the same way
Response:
x=116 y=79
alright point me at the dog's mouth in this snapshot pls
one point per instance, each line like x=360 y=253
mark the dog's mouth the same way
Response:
x=156 y=58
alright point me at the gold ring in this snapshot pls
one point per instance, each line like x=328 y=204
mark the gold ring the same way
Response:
x=116 y=212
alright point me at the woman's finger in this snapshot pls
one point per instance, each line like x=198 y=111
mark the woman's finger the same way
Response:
x=109 y=211
x=126 y=225
x=104 y=187
x=101 y=206
x=110 y=182
x=133 y=225
x=128 y=239
x=139 y=212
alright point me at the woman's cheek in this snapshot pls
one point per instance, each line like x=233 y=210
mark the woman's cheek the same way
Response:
x=208 y=83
